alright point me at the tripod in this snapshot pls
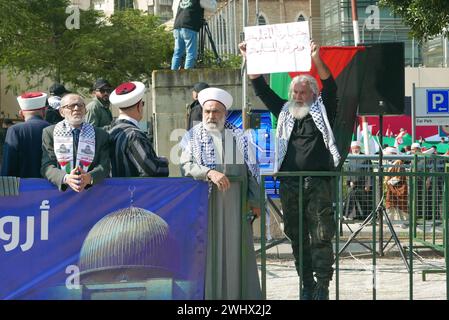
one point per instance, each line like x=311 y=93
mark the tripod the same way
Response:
x=352 y=199
x=380 y=211
x=202 y=41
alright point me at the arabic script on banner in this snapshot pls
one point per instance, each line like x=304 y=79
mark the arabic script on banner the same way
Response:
x=278 y=48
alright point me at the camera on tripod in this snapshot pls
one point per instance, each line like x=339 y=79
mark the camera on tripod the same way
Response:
x=202 y=42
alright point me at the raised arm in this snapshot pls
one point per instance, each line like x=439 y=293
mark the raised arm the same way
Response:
x=262 y=90
x=323 y=70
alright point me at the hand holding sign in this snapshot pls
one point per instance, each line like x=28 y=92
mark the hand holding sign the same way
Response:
x=278 y=48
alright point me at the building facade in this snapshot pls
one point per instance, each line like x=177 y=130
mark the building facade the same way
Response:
x=376 y=24
x=161 y=8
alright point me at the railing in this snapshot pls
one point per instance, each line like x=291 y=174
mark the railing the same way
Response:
x=416 y=173
x=225 y=29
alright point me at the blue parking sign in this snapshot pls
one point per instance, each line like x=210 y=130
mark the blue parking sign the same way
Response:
x=437 y=101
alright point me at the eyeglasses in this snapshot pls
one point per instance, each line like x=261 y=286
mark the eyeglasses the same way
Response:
x=72 y=106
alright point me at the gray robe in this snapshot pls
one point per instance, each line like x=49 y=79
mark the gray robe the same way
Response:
x=224 y=230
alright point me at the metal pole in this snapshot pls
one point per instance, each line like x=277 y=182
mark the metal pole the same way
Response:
x=381 y=170
x=244 y=77
x=445 y=49
x=156 y=9
x=355 y=29
x=234 y=23
x=355 y=22
x=414 y=114
x=263 y=257
x=257 y=12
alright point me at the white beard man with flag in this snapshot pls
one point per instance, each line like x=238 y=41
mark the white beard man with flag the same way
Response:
x=305 y=142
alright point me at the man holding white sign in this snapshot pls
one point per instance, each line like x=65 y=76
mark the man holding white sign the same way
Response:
x=305 y=142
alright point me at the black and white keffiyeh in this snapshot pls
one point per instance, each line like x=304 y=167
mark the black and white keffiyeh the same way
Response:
x=199 y=142
x=63 y=146
x=285 y=126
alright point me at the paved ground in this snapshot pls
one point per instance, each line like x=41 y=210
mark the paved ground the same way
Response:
x=356 y=274
x=356 y=280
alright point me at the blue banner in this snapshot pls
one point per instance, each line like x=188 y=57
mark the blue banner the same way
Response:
x=139 y=238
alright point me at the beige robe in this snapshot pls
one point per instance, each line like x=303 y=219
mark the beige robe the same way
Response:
x=224 y=229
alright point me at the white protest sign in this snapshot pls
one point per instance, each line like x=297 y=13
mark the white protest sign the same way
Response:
x=281 y=47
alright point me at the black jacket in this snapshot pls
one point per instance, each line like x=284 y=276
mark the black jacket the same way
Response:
x=195 y=114
x=22 y=151
x=190 y=15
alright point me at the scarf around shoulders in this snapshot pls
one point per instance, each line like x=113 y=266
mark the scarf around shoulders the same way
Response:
x=63 y=146
x=285 y=126
x=199 y=142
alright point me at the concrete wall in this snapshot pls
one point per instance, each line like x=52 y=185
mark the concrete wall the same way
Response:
x=425 y=77
x=9 y=108
x=172 y=91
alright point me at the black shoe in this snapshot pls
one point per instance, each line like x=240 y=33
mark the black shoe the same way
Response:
x=308 y=292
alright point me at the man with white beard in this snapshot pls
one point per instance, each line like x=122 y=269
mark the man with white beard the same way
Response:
x=67 y=157
x=214 y=150
x=305 y=142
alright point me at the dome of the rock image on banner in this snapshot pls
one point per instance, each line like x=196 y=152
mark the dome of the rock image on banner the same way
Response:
x=130 y=244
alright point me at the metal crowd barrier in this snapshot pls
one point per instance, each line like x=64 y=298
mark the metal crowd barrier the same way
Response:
x=427 y=183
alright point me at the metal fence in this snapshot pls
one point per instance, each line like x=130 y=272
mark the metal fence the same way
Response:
x=225 y=30
x=410 y=191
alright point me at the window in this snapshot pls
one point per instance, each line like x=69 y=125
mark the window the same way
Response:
x=261 y=20
x=124 y=4
x=300 y=18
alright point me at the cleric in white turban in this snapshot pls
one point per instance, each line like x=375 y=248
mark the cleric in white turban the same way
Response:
x=22 y=151
x=213 y=151
x=132 y=152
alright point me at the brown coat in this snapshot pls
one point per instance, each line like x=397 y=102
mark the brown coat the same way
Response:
x=396 y=188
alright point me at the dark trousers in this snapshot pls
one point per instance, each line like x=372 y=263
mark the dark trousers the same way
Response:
x=357 y=194
x=318 y=225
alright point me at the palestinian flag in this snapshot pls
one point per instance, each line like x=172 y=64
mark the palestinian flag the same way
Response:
x=347 y=67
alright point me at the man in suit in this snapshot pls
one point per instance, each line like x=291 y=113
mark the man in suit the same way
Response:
x=71 y=166
x=22 y=151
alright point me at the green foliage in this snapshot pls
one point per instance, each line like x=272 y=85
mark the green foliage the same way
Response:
x=227 y=61
x=35 y=43
x=426 y=18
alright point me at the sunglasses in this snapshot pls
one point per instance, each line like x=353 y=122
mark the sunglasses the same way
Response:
x=72 y=106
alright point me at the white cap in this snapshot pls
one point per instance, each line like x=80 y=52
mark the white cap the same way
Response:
x=415 y=145
x=355 y=144
x=390 y=150
x=216 y=94
x=54 y=102
x=127 y=94
x=32 y=100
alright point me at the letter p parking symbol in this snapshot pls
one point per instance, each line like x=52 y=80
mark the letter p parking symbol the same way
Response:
x=437 y=101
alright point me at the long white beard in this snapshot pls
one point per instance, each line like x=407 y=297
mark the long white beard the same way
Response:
x=214 y=127
x=298 y=110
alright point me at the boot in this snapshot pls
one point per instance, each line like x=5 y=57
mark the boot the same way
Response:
x=308 y=291
x=321 y=291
